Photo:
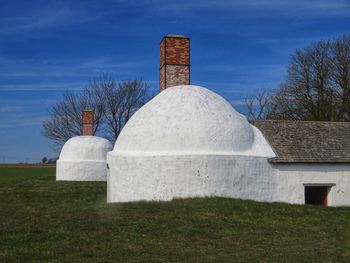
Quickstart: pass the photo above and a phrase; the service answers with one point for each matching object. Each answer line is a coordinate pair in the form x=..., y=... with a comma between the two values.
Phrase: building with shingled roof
x=312, y=163
x=189, y=142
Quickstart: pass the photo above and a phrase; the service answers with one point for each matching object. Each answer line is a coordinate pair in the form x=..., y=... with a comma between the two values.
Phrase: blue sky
x=237, y=48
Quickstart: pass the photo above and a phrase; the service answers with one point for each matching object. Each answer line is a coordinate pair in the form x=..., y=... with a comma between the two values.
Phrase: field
x=44, y=220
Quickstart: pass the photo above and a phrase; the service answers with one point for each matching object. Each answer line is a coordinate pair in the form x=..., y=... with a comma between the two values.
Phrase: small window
x=316, y=195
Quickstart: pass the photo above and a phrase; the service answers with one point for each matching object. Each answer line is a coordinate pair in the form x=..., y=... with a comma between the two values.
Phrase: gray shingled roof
x=307, y=141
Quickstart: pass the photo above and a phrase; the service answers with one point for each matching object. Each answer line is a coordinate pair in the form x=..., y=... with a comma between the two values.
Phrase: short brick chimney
x=174, y=61
x=88, y=122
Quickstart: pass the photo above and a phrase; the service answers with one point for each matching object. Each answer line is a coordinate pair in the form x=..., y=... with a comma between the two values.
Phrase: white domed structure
x=189, y=120
x=83, y=158
x=185, y=142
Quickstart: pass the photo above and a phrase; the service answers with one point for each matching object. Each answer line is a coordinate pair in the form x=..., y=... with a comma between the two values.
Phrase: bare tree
x=112, y=104
x=340, y=75
x=258, y=105
x=307, y=92
x=65, y=121
x=122, y=102
x=316, y=88
x=66, y=116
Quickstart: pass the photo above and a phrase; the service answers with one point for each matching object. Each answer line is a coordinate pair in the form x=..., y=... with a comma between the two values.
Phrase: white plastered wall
x=184, y=176
x=83, y=158
x=81, y=170
x=190, y=142
x=162, y=177
x=292, y=178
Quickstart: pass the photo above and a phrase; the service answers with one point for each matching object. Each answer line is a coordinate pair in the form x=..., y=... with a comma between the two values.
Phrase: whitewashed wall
x=94, y=170
x=166, y=177
x=290, y=179
x=135, y=178
x=190, y=142
x=83, y=158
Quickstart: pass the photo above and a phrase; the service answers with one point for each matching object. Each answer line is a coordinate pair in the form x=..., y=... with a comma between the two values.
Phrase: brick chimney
x=88, y=122
x=174, y=61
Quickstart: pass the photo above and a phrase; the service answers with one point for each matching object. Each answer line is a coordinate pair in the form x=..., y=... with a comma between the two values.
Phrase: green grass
x=45, y=220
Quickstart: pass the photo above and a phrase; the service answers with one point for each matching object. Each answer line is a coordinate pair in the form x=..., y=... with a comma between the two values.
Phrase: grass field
x=42, y=220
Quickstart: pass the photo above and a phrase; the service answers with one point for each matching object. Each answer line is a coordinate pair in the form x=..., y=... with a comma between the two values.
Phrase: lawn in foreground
x=45, y=220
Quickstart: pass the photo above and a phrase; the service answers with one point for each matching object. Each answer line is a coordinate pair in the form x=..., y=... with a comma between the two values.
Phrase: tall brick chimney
x=88, y=122
x=174, y=61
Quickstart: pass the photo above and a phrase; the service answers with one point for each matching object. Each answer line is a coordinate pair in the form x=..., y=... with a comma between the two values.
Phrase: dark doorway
x=316, y=195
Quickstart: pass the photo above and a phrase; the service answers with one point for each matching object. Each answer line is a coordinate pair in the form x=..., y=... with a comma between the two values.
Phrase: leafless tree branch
x=112, y=104
x=317, y=86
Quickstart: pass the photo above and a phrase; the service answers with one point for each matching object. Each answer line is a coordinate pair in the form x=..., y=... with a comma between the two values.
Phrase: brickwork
x=162, y=78
x=88, y=122
x=174, y=61
x=162, y=53
x=177, y=75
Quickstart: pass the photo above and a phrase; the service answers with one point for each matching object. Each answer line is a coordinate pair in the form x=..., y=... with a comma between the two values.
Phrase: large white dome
x=85, y=148
x=186, y=142
x=187, y=120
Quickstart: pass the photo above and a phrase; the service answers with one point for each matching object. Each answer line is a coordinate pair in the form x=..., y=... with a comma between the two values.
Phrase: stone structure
x=187, y=142
x=83, y=158
x=190, y=142
x=312, y=163
x=174, y=61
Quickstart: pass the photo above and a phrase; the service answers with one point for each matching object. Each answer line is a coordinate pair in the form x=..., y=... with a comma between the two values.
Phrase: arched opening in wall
x=317, y=194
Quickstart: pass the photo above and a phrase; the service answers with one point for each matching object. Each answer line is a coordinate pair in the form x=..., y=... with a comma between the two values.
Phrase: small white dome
x=186, y=120
x=85, y=148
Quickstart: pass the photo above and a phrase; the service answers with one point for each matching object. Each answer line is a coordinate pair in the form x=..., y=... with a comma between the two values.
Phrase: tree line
x=317, y=86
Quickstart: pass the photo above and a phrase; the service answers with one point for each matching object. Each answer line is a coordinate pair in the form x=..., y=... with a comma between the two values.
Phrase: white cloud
x=22, y=121
x=236, y=103
x=43, y=86
x=288, y=7
x=8, y=109
x=17, y=74
x=44, y=18
x=49, y=16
